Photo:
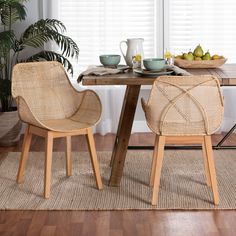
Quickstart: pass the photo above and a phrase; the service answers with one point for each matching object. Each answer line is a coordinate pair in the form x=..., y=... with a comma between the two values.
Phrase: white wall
x=32, y=9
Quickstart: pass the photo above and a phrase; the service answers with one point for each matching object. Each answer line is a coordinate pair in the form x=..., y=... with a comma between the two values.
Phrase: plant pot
x=10, y=128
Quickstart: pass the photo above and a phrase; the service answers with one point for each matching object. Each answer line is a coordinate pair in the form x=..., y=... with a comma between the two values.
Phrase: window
x=98, y=26
x=210, y=23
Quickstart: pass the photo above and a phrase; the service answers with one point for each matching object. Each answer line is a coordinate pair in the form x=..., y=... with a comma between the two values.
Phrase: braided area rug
x=182, y=186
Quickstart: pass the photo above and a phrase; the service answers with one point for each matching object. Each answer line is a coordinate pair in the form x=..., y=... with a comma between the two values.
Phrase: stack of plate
x=153, y=73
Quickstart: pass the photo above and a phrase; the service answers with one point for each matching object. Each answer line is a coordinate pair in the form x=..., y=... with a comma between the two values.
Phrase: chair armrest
x=89, y=109
x=26, y=114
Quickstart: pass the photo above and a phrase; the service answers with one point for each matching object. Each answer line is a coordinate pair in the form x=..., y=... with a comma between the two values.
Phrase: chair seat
x=66, y=125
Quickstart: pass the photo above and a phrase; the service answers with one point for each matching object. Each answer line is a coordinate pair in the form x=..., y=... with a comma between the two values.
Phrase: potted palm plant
x=11, y=48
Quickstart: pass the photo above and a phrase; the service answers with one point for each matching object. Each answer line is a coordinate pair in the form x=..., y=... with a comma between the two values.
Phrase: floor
x=115, y=223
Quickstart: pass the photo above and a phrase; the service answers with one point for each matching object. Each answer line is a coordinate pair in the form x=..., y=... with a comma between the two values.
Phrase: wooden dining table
x=133, y=82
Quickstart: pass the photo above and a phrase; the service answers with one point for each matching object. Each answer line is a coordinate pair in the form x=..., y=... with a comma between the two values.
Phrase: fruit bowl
x=199, y=64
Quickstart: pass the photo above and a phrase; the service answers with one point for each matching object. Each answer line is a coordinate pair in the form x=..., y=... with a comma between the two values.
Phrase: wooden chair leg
x=211, y=166
x=93, y=156
x=154, y=160
x=48, y=163
x=206, y=167
x=68, y=156
x=24, y=155
x=159, y=159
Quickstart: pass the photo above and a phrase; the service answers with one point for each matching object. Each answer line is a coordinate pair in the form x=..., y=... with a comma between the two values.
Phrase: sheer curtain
x=98, y=26
x=177, y=25
x=210, y=23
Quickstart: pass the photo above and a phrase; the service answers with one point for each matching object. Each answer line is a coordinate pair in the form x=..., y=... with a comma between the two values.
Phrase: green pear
x=189, y=56
x=198, y=52
x=184, y=55
x=197, y=58
x=207, y=56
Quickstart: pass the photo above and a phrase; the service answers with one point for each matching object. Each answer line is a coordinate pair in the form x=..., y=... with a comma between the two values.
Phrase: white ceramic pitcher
x=134, y=48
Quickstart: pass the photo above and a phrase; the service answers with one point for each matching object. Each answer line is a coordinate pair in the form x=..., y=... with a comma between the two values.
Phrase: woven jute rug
x=182, y=182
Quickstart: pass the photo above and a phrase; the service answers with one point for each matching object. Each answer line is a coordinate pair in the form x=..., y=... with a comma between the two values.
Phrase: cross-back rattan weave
x=47, y=99
x=187, y=110
x=184, y=105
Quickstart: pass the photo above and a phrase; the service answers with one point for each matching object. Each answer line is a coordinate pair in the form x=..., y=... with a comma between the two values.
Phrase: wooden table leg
x=119, y=125
x=123, y=133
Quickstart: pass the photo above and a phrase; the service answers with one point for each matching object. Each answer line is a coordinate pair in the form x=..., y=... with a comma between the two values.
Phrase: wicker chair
x=52, y=108
x=184, y=110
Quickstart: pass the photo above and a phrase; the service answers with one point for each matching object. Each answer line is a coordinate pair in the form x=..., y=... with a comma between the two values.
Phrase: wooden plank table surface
x=226, y=74
x=133, y=82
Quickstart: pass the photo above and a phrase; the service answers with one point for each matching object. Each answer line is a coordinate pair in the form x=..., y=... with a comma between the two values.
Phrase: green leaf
x=51, y=56
x=5, y=94
x=5, y=88
x=7, y=42
x=11, y=11
x=43, y=31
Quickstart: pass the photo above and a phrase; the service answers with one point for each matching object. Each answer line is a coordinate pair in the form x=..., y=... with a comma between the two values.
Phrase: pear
x=215, y=57
x=184, y=55
x=198, y=52
x=207, y=56
x=197, y=58
x=189, y=56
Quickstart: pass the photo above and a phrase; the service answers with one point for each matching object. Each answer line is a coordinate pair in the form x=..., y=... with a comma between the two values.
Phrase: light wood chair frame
x=158, y=155
x=49, y=137
x=163, y=138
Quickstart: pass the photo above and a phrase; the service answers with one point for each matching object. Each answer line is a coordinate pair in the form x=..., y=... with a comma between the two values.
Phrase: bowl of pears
x=199, y=59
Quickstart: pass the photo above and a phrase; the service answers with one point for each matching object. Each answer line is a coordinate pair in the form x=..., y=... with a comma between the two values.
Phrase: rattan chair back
x=46, y=89
x=46, y=98
x=184, y=105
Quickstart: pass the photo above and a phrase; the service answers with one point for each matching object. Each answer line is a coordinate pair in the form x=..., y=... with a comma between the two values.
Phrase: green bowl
x=110, y=60
x=154, y=63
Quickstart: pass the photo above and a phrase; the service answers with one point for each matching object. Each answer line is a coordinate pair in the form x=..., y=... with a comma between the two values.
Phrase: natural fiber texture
x=98, y=71
x=184, y=105
x=46, y=98
x=182, y=186
x=178, y=71
x=200, y=64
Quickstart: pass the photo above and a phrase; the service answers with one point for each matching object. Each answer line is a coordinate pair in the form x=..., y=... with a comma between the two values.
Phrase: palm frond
x=34, y=37
x=43, y=31
x=5, y=94
x=54, y=24
x=51, y=56
x=11, y=11
x=43, y=25
x=7, y=42
x=67, y=45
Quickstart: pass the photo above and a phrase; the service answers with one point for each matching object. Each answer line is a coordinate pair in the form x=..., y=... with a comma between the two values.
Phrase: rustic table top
x=226, y=74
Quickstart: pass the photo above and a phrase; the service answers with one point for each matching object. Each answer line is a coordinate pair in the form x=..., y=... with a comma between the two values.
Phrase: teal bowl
x=110, y=60
x=154, y=63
